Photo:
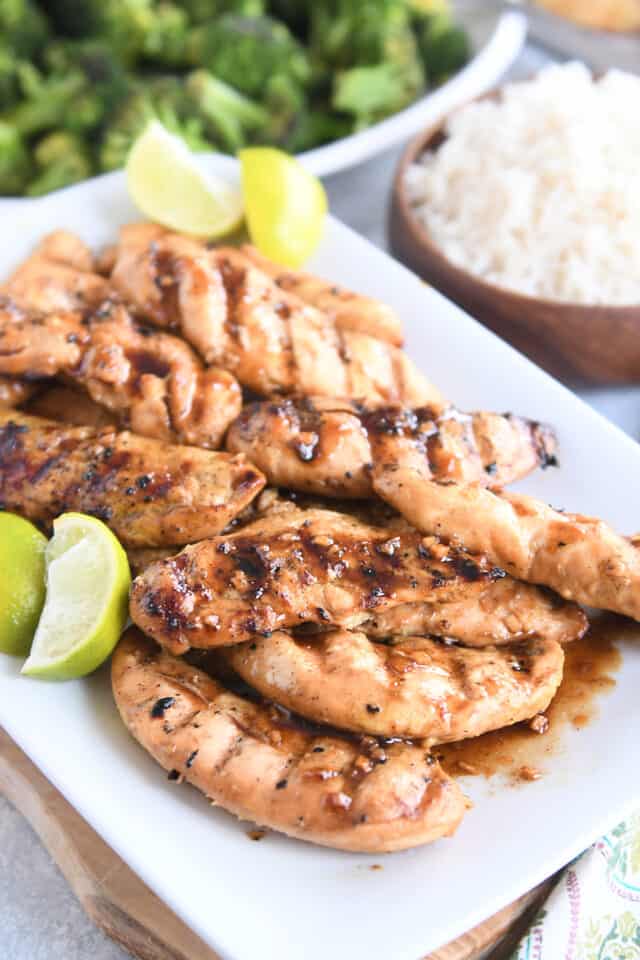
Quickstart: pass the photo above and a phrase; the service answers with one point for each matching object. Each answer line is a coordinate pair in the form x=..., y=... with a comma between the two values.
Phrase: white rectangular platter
x=290, y=900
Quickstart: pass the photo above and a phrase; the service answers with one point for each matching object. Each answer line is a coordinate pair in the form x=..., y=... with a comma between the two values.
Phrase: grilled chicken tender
x=580, y=557
x=322, y=446
x=349, y=310
x=416, y=688
x=343, y=793
x=58, y=276
x=150, y=493
x=296, y=567
x=507, y=611
x=238, y=318
x=153, y=381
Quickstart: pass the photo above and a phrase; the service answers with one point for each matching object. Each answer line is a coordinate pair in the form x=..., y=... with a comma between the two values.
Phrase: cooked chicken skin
x=322, y=446
x=238, y=318
x=150, y=493
x=58, y=277
x=14, y=392
x=580, y=557
x=349, y=310
x=295, y=567
x=416, y=688
x=153, y=381
x=344, y=793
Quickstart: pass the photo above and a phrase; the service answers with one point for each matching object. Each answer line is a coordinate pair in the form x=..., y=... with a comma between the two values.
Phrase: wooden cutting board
x=127, y=911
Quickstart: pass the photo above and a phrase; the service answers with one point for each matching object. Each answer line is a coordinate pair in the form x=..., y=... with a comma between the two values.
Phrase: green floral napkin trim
x=593, y=913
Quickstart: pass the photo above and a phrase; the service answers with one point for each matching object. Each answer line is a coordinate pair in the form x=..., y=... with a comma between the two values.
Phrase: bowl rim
x=421, y=238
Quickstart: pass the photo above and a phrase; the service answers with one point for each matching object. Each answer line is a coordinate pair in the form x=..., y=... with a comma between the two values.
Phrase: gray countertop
x=40, y=918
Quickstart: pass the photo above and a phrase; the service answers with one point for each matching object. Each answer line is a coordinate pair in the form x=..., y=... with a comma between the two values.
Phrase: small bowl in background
x=597, y=344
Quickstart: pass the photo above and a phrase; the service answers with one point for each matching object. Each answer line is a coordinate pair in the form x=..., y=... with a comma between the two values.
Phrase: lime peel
x=22, y=551
x=285, y=205
x=168, y=186
x=86, y=604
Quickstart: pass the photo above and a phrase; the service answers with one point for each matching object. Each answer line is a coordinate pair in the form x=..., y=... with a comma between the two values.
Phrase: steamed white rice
x=540, y=192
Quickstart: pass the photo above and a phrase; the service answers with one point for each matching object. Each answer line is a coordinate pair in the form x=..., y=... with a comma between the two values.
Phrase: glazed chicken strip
x=295, y=567
x=322, y=446
x=507, y=611
x=58, y=276
x=153, y=381
x=418, y=688
x=349, y=310
x=150, y=493
x=345, y=793
x=238, y=318
x=579, y=557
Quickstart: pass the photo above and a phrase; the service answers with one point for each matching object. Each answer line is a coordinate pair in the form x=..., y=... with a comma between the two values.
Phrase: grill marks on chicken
x=153, y=381
x=351, y=794
x=238, y=318
x=418, y=687
x=298, y=567
x=148, y=492
x=505, y=611
x=349, y=310
x=579, y=557
x=323, y=446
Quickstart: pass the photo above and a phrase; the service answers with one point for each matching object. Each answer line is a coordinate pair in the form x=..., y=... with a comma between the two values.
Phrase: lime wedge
x=86, y=604
x=285, y=205
x=22, y=549
x=167, y=185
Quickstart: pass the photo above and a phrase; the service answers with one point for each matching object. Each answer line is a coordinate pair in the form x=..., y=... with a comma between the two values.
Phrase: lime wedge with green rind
x=285, y=205
x=86, y=605
x=168, y=187
x=22, y=550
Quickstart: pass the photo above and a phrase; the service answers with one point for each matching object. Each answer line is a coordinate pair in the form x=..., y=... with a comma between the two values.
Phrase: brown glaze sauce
x=518, y=752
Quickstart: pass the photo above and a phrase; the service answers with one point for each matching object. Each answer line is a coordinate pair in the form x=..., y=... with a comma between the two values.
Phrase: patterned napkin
x=593, y=913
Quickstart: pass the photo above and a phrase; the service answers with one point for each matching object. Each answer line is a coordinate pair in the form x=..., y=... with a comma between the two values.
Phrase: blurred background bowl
x=593, y=344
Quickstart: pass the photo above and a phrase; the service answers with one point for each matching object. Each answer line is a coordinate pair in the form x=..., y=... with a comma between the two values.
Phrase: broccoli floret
x=371, y=93
x=200, y=11
x=246, y=52
x=285, y=103
x=15, y=162
x=46, y=104
x=444, y=47
x=122, y=24
x=164, y=41
x=369, y=42
x=10, y=86
x=102, y=69
x=57, y=101
x=228, y=115
x=161, y=100
x=350, y=33
x=315, y=127
x=23, y=27
x=61, y=159
x=85, y=82
x=127, y=122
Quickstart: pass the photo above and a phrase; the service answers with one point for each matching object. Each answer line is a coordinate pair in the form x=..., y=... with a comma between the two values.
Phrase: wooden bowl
x=597, y=344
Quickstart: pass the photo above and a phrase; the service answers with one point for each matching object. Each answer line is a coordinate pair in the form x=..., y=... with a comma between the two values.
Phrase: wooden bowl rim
x=422, y=239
